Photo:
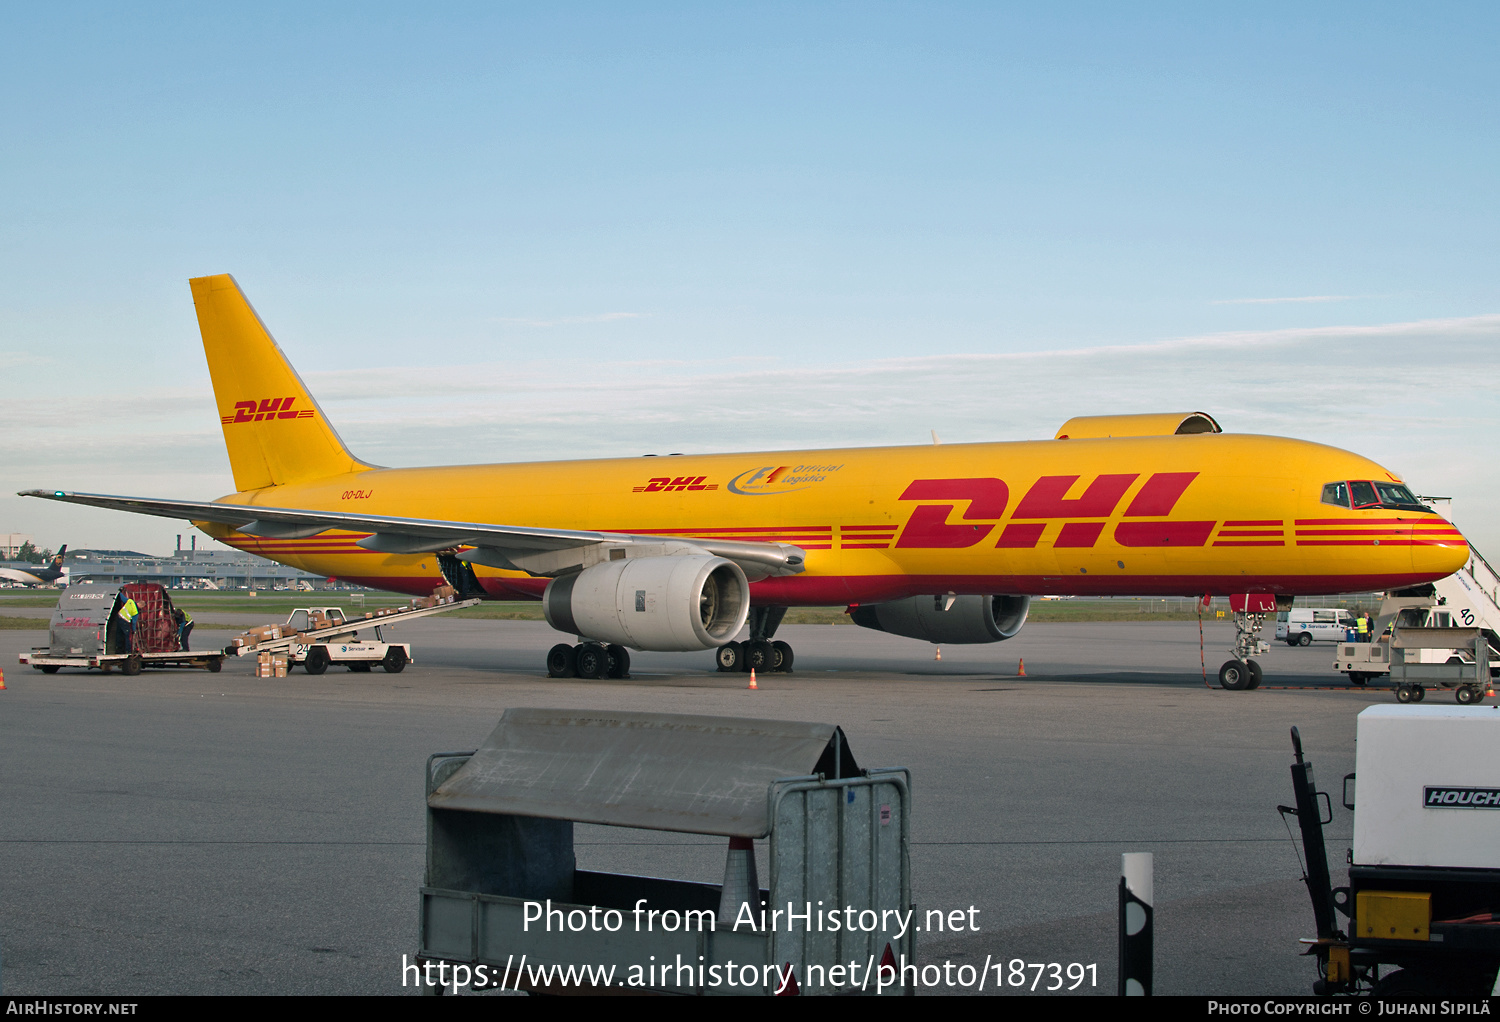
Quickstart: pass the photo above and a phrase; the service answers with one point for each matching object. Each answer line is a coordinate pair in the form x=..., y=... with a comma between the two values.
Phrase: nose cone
x=1437, y=549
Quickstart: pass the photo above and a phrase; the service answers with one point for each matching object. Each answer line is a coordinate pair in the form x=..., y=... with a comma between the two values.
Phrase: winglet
x=274, y=430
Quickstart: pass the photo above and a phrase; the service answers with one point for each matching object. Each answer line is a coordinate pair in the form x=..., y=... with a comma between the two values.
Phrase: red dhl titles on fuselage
x=1142, y=516
x=266, y=408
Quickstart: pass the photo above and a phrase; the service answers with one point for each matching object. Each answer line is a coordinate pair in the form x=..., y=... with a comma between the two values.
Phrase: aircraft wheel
x=50, y=669
x=1403, y=693
x=619, y=660
x=1255, y=673
x=759, y=656
x=317, y=660
x=1304, y=639
x=783, y=656
x=592, y=660
x=728, y=656
x=394, y=661
x=1234, y=675
x=561, y=661
x=132, y=666
x=1464, y=695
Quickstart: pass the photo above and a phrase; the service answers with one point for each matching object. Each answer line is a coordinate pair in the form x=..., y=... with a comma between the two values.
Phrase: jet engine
x=950, y=620
x=669, y=604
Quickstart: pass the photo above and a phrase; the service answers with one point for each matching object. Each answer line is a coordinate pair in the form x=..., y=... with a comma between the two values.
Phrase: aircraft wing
x=517, y=547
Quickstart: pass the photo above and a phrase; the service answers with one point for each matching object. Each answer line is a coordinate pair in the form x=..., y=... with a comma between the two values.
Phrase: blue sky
x=760, y=214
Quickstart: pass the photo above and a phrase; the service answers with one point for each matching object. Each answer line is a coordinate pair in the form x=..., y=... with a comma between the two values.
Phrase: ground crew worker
x=184, y=627
x=127, y=615
x=1362, y=625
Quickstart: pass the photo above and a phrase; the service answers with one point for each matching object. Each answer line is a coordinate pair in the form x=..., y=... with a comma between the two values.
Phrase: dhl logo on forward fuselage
x=267, y=408
x=1047, y=500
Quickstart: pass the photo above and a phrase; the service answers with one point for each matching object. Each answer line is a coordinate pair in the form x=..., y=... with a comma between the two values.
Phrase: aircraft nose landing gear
x=1249, y=611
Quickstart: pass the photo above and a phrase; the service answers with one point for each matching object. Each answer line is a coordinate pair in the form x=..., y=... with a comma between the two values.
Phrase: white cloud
x=1283, y=301
x=605, y=317
x=1419, y=397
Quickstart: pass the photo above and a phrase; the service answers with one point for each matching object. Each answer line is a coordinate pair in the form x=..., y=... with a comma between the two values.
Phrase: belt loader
x=320, y=637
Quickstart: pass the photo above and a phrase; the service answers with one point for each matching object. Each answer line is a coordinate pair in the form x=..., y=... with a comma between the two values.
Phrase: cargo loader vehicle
x=1422, y=907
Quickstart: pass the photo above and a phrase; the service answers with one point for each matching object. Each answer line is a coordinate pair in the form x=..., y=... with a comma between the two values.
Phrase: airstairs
x=1471, y=598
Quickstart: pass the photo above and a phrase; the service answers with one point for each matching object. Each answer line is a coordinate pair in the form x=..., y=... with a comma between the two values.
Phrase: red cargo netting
x=155, y=631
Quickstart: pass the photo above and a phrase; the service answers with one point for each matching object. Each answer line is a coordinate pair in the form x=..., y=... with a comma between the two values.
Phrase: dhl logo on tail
x=268, y=408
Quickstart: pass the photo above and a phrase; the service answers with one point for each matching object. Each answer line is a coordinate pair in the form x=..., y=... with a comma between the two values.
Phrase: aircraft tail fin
x=274, y=430
x=57, y=558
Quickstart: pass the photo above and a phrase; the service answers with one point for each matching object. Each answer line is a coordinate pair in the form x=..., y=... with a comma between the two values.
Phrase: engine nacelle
x=668, y=604
x=968, y=619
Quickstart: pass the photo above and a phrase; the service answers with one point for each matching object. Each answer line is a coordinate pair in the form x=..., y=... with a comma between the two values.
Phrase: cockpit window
x=1392, y=495
x=1363, y=494
x=1336, y=493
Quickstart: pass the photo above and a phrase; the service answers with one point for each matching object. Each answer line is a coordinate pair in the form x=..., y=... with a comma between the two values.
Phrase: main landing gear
x=760, y=653
x=588, y=660
x=1243, y=672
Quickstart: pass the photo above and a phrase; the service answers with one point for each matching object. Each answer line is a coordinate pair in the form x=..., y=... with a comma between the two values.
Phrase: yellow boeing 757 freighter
x=944, y=543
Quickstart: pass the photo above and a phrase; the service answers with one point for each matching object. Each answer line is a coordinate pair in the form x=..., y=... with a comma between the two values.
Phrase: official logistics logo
x=267, y=408
x=769, y=480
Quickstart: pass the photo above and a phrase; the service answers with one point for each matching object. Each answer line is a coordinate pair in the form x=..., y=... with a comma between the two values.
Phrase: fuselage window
x=1363, y=494
x=1336, y=493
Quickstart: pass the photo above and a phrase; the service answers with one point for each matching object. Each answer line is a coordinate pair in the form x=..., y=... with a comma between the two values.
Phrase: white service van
x=1304, y=627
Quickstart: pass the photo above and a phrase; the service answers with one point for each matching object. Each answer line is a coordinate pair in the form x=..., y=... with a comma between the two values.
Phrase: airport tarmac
x=192, y=833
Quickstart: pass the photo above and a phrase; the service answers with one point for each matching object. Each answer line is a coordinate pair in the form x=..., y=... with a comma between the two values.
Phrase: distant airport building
x=192, y=569
x=11, y=544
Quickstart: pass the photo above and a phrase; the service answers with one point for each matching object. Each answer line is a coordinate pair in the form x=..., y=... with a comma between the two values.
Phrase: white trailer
x=85, y=632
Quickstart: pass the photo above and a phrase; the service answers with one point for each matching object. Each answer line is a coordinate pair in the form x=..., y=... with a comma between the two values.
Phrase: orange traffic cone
x=741, y=885
x=2, y=679
x=1021, y=670
x=753, y=686
x=939, y=654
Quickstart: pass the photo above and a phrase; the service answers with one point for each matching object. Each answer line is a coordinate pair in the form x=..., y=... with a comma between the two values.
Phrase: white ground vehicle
x=1303, y=627
x=1423, y=874
x=317, y=657
x=320, y=637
